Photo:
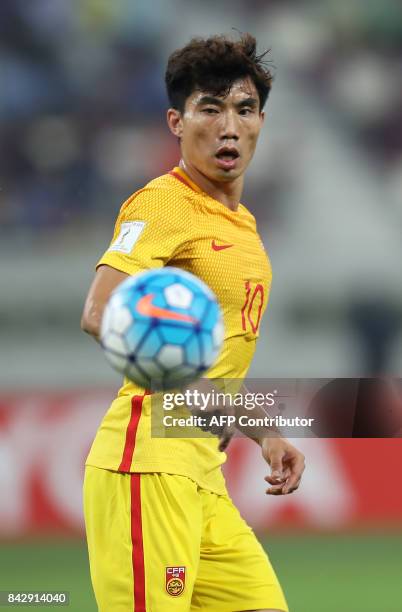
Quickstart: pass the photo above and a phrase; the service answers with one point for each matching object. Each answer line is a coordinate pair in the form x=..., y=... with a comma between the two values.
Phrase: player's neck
x=228, y=193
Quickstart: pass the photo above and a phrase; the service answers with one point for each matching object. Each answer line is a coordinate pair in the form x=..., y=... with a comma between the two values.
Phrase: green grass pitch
x=319, y=573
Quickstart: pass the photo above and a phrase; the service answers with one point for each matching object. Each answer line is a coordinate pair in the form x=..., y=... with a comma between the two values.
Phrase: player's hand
x=287, y=465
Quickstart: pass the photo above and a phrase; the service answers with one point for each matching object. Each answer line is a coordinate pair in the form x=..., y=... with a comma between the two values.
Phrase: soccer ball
x=162, y=328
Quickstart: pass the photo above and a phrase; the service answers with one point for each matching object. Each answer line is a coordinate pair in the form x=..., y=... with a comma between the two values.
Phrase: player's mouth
x=226, y=157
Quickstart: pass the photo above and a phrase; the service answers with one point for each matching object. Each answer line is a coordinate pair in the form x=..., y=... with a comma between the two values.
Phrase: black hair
x=213, y=64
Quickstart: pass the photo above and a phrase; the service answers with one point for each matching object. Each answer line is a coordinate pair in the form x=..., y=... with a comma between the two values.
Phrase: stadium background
x=82, y=121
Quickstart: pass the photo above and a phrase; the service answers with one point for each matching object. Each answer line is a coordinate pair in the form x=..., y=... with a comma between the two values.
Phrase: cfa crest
x=175, y=579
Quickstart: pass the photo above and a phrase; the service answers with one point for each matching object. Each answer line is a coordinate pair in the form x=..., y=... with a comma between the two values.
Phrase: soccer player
x=163, y=534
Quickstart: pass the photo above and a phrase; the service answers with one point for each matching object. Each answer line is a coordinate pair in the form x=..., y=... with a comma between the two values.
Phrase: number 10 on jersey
x=252, y=307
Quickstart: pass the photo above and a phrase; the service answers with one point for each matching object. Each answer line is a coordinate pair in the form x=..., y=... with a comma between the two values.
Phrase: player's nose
x=229, y=127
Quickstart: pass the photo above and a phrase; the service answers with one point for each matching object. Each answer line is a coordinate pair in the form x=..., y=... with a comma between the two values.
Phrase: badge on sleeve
x=129, y=233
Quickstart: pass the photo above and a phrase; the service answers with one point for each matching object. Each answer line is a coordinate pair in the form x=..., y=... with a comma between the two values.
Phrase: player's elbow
x=85, y=324
x=90, y=324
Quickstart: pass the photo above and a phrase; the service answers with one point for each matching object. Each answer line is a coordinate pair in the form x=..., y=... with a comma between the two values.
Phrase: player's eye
x=246, y=111
x=210, y=110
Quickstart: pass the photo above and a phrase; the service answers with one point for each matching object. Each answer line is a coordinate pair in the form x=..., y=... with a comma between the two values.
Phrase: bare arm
x=106, y=279
x=285, y=460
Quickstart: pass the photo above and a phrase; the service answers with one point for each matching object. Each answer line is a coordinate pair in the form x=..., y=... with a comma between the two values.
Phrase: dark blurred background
x=82, y=112
x=82, y=119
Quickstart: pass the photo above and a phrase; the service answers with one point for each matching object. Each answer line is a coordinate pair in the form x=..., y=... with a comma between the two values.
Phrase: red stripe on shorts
x=131, y=432
x=137, y=544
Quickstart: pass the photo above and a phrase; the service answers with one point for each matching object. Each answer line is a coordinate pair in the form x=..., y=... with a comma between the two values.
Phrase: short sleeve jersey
x=172, y=222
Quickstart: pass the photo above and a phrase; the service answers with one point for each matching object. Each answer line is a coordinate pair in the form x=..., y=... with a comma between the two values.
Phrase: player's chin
x=231, y=174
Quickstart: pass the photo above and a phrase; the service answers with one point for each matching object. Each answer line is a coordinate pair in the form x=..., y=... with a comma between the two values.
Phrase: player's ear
x=175, y=122
x=262, y=117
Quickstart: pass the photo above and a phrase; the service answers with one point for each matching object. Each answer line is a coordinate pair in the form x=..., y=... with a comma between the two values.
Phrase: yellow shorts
x=159, y=543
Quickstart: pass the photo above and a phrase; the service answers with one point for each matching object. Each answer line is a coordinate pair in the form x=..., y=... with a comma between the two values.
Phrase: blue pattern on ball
x=159, y=352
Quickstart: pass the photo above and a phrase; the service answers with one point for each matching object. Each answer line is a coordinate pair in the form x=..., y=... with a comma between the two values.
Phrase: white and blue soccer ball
x=162, y=328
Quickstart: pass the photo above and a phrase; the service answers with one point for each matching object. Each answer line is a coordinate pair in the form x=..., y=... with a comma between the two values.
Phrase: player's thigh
x=172, y=525
x=143, y=534
x=235, y=573
x=107, y=510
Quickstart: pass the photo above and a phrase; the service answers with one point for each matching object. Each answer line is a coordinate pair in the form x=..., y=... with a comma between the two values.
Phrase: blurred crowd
x=82, y=116
x=82, y=99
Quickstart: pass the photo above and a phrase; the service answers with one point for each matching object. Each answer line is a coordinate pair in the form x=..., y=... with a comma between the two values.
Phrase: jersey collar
x=181, y=176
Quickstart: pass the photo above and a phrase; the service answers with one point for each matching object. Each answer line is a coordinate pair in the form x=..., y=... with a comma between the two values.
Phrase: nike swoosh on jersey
x=220, y=247
x=147, y=309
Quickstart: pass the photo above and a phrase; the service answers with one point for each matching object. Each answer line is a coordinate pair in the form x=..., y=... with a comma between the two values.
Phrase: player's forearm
x=259, y=432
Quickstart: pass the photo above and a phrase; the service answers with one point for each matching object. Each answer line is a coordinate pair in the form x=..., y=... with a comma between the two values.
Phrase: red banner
x=45, y=437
